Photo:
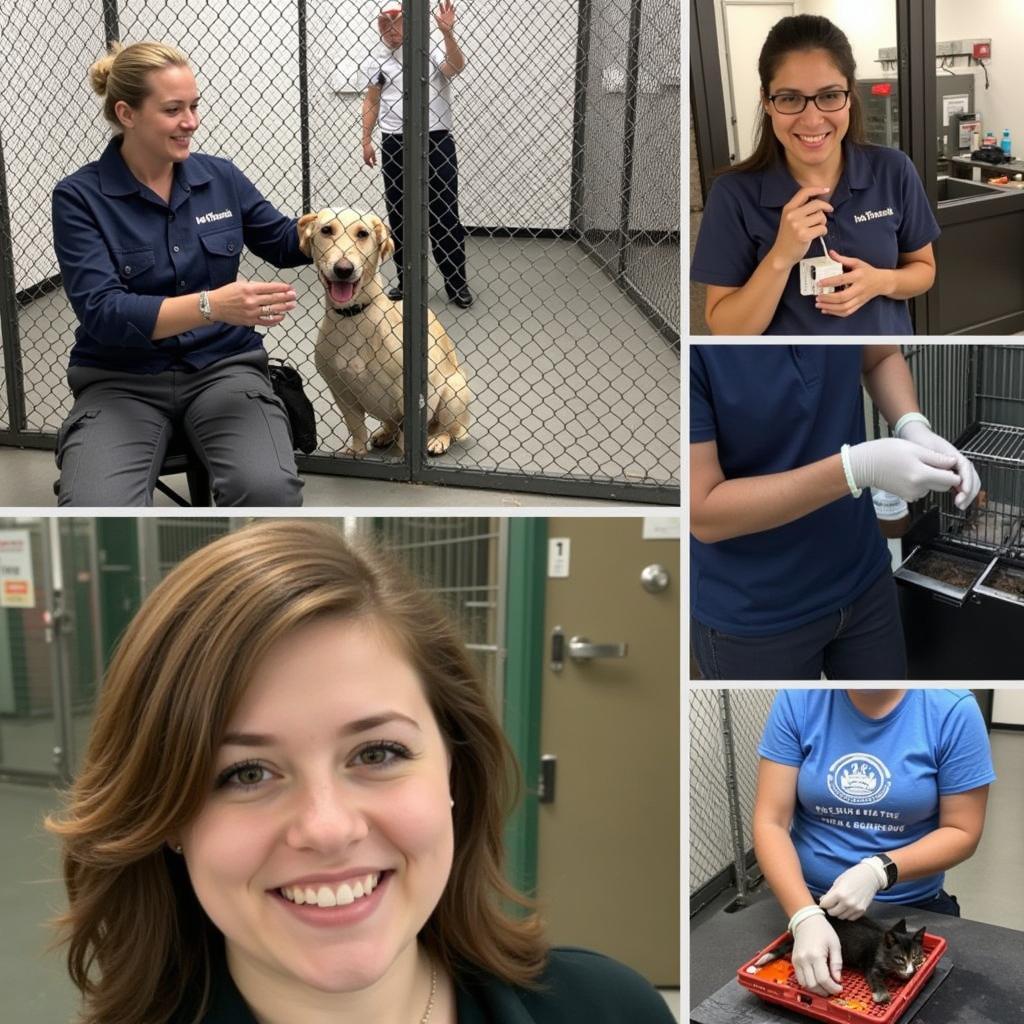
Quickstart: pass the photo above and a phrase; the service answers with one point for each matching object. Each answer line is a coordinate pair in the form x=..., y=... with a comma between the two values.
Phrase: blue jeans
x=863, y=640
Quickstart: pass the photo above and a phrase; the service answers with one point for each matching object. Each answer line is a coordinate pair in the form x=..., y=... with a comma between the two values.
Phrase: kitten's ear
x=919, y=935
x=889, y=938
x=900, y=925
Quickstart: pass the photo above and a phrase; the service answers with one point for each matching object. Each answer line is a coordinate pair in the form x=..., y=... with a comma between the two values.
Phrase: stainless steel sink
x=959, y=190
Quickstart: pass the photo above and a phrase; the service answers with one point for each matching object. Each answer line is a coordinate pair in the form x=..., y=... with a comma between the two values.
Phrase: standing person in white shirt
x=382, y=105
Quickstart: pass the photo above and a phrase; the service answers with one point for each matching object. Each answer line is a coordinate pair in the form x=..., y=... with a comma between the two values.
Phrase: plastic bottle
x=1004, y=143
x=989, y=140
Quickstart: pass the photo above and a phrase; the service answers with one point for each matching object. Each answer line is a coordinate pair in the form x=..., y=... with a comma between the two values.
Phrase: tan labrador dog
x=359, y=348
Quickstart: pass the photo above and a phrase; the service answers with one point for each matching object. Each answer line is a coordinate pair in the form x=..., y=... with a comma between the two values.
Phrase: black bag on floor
x=287, y=386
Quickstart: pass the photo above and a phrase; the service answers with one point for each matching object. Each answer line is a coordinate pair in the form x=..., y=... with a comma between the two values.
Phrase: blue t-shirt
x=122, y=250
x=773, y=408
x=881, y=210
x=868, y=785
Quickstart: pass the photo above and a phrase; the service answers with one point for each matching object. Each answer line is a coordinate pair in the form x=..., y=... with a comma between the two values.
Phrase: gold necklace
x=433, y=990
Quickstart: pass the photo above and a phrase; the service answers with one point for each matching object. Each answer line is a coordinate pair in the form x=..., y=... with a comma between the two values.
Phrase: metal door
x=608, y=842
x=746, y=28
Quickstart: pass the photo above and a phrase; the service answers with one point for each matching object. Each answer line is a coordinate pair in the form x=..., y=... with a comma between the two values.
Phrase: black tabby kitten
x=876, y=951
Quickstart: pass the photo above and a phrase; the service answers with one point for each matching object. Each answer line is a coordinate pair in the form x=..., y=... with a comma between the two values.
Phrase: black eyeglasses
x=795, y=103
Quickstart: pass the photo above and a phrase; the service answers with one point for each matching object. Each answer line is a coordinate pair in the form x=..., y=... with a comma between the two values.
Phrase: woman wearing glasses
x=813, y=190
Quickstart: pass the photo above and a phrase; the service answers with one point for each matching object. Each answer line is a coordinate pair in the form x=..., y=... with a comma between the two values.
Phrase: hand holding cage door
x=920, y=432
x=900, y=467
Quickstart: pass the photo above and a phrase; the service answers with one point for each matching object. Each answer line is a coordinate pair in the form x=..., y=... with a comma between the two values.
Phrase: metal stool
x=180, y=458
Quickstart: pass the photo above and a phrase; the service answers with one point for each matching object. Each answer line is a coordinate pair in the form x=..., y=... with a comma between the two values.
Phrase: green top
x=577, y=987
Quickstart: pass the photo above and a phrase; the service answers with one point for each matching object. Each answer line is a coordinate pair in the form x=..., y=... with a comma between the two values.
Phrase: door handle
x=581, y=649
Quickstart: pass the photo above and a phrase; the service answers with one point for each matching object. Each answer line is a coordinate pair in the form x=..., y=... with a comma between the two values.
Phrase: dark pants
x=864, y=640
x=447, y=235
x=113, y=442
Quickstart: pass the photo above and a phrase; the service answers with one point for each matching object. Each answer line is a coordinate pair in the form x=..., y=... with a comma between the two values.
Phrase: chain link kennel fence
x=725, y=728
x=566, y=128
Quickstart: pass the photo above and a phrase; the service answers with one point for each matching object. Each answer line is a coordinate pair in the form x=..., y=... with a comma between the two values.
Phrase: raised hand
x=444, y=17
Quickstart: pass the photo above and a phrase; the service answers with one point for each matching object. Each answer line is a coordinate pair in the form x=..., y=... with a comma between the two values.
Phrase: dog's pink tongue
x=342, y=291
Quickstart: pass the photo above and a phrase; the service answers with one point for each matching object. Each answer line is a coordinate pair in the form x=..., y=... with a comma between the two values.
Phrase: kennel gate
x=572, y=346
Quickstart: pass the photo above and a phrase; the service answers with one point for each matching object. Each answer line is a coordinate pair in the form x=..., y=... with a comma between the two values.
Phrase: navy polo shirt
x=122, y=250
x=772, y=408
x=881, y=210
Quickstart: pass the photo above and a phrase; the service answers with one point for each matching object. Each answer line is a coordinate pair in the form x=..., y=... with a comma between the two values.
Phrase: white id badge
x=815, y=270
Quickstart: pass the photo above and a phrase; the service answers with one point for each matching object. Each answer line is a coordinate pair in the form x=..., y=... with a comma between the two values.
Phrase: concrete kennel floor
x=569, y=378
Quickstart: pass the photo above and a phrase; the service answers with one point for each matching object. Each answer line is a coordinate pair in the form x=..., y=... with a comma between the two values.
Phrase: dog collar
x=349, y=310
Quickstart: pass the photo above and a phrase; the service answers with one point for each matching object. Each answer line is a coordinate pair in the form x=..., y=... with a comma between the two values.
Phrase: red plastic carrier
x=777, y=983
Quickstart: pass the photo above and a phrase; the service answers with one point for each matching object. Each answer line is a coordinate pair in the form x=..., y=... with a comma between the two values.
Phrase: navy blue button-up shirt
x=122, y=250
x=881, y=210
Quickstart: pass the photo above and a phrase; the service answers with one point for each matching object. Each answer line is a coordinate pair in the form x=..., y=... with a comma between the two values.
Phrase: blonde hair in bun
x=123, y=74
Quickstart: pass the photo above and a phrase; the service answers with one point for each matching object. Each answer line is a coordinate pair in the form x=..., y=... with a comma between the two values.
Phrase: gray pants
x=113, y=442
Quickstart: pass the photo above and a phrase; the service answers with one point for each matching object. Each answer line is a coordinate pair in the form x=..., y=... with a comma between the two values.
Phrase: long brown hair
x=140, y=945
x=799, y=33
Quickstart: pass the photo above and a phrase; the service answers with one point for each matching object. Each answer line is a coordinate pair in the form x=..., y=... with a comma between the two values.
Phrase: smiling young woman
x=291, y=808
x=812, y=188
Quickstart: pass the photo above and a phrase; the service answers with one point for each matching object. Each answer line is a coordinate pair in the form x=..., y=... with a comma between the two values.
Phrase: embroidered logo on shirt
x=861, y=218
x=859, y=779
x=207, y=217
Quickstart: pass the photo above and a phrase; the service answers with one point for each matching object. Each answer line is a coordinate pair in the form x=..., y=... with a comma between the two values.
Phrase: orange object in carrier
x=777, y=983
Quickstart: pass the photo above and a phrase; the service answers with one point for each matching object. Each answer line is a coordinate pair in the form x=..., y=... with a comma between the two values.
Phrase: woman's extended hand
x=860, y=283
x=852, y=892
x=252, y=303
x=817, y=957
x=802, y=221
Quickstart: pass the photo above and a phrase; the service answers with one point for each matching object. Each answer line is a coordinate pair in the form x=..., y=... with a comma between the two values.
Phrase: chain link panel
x=559, y=182
x=711, y=848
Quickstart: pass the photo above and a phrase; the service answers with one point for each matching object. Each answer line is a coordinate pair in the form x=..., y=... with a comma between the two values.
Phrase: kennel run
x=961, y=584
x=567, y=124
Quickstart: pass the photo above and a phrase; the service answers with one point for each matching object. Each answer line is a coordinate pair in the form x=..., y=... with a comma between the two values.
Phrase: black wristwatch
x=891, y=872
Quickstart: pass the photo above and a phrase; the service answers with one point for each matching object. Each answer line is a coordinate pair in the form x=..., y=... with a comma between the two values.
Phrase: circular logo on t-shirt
x=859, y=779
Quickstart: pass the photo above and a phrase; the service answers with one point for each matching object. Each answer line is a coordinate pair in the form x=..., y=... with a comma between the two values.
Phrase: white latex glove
x=970, y=484
x=852, y=892
x=902, y=467
x=817, y=957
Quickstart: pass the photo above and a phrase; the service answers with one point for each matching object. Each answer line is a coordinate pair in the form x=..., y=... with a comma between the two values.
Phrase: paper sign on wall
x=954, y=105
x=17, y=585
x=661, y=527
x=558, y=558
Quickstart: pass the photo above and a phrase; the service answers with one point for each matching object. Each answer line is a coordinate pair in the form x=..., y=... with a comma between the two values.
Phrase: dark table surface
x=985, y=986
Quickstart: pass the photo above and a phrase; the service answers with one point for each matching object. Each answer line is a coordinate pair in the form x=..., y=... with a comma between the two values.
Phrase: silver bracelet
x=204, y=305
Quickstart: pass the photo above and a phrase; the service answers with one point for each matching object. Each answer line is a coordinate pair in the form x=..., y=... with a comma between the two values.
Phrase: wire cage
x=725, y=728
x=974, y=395
x=962, y=578
x=566, y=122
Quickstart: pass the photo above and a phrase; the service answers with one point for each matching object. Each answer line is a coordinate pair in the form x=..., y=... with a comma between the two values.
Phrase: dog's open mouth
x=341, y=292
